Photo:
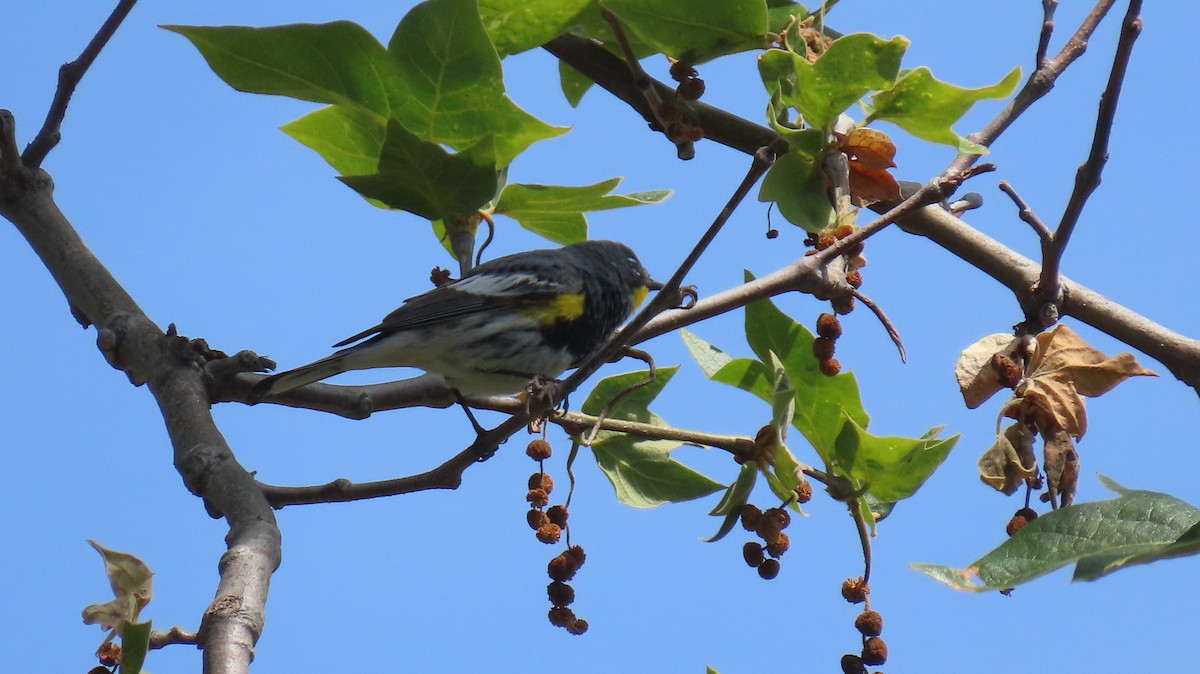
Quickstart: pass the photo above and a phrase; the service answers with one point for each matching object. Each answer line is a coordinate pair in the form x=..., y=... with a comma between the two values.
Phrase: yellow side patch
x=565, y=307
x=639, y=295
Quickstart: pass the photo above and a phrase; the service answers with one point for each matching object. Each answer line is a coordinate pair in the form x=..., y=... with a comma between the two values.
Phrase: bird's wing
x=465, y=297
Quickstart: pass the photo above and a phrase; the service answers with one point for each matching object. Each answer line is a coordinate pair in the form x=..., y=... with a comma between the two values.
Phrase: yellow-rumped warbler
x=509, y=320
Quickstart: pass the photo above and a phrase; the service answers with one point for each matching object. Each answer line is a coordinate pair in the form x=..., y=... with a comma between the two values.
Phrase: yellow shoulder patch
x=565, y=307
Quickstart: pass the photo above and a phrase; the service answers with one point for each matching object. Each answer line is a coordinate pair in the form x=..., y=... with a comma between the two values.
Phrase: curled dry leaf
x=871, y=153
x=130, y=580
x=1064, y=368
x=977, y=379
x=1009, y=462
x=1062, y=465
x=1052, y=405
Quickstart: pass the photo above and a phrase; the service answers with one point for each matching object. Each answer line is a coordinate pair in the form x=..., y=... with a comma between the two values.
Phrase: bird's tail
x=305, y=374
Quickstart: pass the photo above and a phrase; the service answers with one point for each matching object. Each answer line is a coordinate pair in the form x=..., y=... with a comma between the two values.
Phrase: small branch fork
x=69, y=76
x=1047, y=296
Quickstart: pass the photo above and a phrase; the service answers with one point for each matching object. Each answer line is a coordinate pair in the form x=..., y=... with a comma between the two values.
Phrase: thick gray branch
x=133, y=343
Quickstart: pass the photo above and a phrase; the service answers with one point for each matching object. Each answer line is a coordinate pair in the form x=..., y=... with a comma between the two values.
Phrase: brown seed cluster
x=561, y=569
x=549, y=524
x=869, y=624
x=828, y=326
x=768, y=525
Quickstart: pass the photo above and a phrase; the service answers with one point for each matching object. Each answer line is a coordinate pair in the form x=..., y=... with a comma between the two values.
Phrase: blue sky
x=219, y=223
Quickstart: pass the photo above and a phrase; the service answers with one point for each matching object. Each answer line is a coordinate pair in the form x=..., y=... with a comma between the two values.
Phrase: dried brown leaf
x=1053, y=405
x=1009, y=462
x=1063, y=355
x=1062, y=466
x=977, y=379
x=1064, y=368
x=870, y=153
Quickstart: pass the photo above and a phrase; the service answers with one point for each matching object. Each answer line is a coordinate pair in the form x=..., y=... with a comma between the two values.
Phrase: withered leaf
x=870, y=153
x=1062, y=465
x=1053, y=405
x=977, y=379
x=1009, y=462
x=1064, y=368
x=1062, y=354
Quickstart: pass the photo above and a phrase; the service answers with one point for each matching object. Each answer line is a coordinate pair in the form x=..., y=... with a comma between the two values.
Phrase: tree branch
x=133, y=343
x=1087, y=178
x=69, y=76
x=1181, y=355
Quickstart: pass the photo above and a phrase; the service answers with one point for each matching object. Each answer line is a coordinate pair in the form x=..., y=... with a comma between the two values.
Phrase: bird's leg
x=479, y=430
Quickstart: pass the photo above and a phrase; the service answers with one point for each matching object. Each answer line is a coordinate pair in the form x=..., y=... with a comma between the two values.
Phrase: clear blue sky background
x=216, y=221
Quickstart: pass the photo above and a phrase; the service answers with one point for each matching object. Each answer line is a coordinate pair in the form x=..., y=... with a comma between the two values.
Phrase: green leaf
x=336, y=62
x=786, y=469
x=749, y=375
x=708, y=356
x=517, y=25
x=644, y=475
x=642, y=472
x=694, y=31
x=783, y=397
x=795, y=183
x=853, y=65
x=135, y=644
x=820, y=400
x=556, y=211
x=893, y=467
x=420, y=177
x=633, y=405
x=454, y=84
x=733, y=499
x=927, y=107
x=1137, y=527
x=574, y=83
x=348, y=138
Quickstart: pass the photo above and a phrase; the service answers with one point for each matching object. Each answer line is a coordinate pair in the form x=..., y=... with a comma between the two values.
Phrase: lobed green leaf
x=557, y=211
x=927, y=107
x=517, y=25
x=694, y=31
x=797, y=186
x=852, y=66
x=337, y=62
x=418, y=176
x=892, y=467
x=641, y=470
x=453, y=82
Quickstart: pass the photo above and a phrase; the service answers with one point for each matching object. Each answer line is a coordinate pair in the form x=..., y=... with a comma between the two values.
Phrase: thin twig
x=668, y=295
x=612, y=403
x=685, y=149
x=1048, y=7
x=1026, y=214
x=864, y=535
x=69, y=76
x=175, y=635
x=1087, y=177
x=887, y=323
x=449, y=474
x=1040, y=82
x=936, y=190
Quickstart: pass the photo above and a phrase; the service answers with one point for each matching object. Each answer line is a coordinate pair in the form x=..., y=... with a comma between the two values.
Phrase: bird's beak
x=655, y=285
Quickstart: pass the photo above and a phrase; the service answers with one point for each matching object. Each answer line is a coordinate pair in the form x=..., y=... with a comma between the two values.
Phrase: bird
x=508, y=321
